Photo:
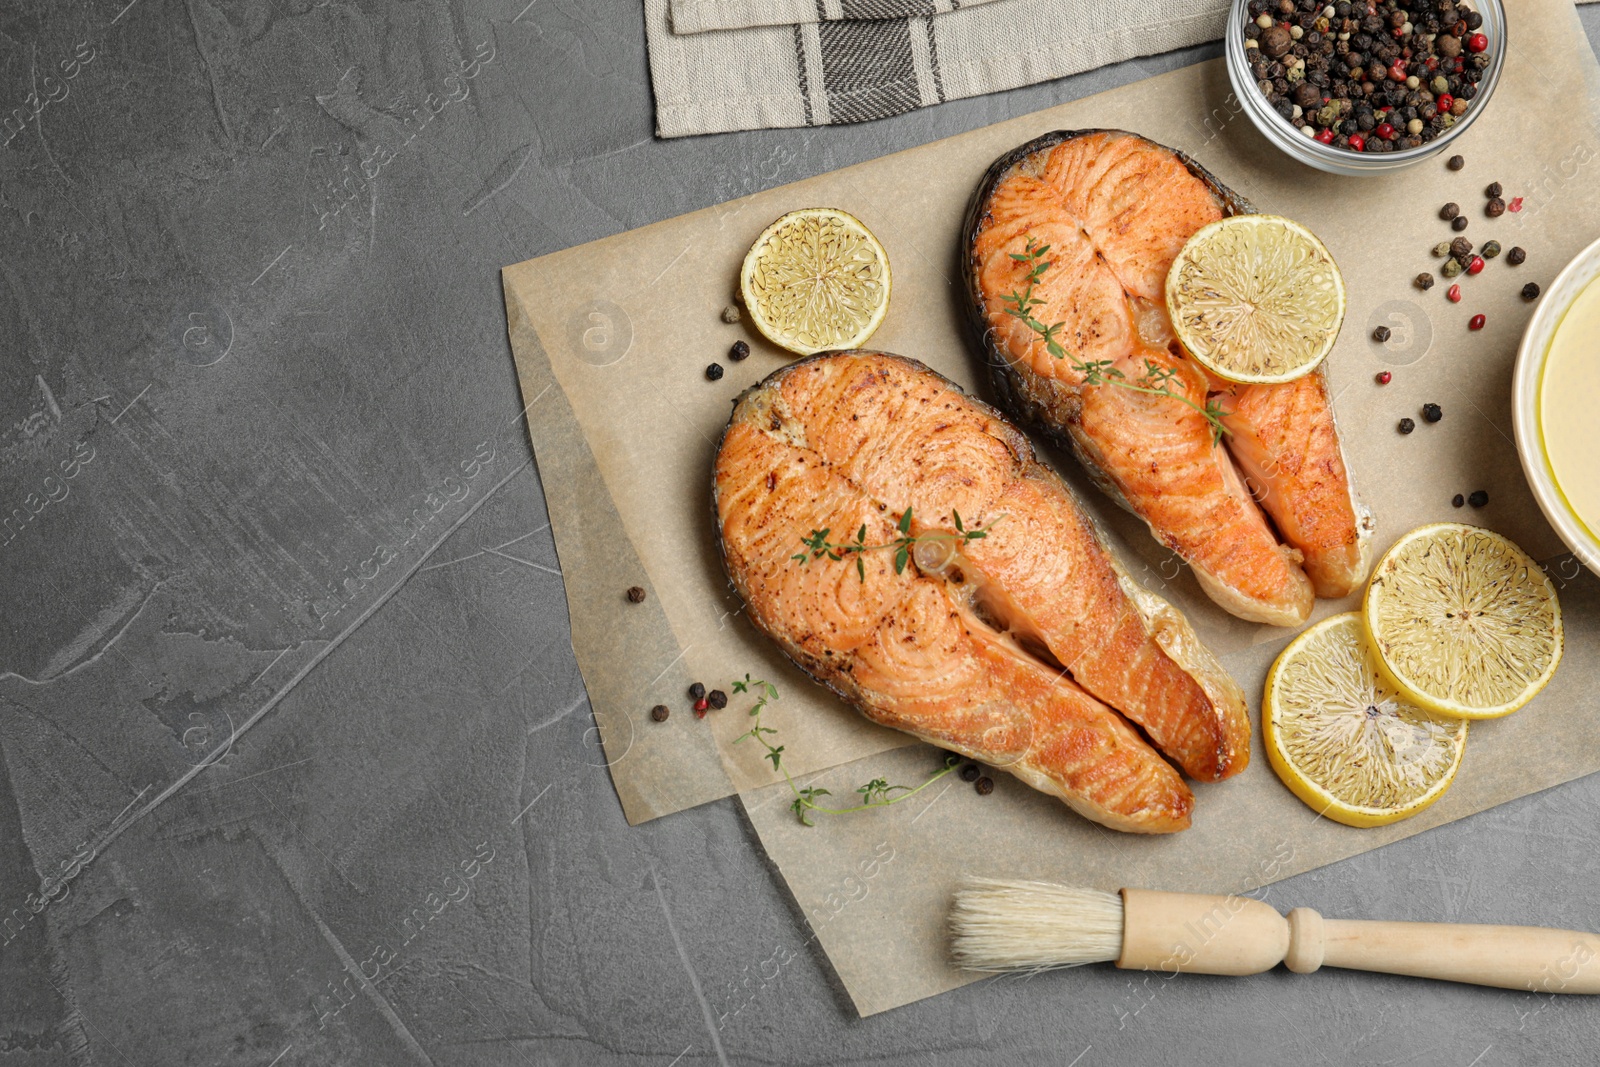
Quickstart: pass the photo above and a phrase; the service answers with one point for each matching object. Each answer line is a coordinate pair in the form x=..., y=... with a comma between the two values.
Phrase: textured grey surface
x=261, y=465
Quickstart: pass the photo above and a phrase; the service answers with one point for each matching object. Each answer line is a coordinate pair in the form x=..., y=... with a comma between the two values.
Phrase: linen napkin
x=820, y=70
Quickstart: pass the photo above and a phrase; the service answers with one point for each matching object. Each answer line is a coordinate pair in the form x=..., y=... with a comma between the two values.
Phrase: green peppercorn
x=1442, y=249
x=1451, y=268
x=1490, y=249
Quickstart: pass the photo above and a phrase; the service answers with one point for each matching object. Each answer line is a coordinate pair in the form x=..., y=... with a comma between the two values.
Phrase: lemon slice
x=816, y=280
x=1344, y=739
x=1256, y=298
x=1465, y=623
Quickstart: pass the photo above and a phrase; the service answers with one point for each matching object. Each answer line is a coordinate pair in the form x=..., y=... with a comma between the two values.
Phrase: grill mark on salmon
x=1017, y=648
x=1115, y=210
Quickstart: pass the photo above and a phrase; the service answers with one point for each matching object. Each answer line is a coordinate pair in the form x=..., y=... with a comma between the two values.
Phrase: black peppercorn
x=984, y=786
x=697, y=691
x=1380, y=334
x=1406, y=426
x=635, y=595
x=1478, y=499
x=970, y=773
x=1432, y=412
x=717, y=699
x=1456, y=163
x=1495, y=208
x=660, y=712
x=1461, y=248
x=1493, y=191
x=1450, y=211
x=1424, y=281
x=1458, y=223
x=1516, y=256
x=714, y=372
x=1530, y=291
x=739, y=351
x=1457, y=500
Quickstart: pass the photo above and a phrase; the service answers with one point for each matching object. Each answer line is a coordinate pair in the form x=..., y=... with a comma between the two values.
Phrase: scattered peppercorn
x=970, y=773
x=1424, y=281
x=1380, y=334
x=1384, y=377
x=1495, y=208
x=1475, y=265
x=1457, y=500
x=1530, y=291
x=714, y=372
x=1451, y=268
x=1490, y=249
x=1442, y=249
x=1478, y=499
x=1406, y=426
x=1475, y=323
x=1461, y=248
x=635, y=595
x=984, y=786
x=1456, y=163
x=1455, y=293
x=1450, y=211
x=1493, y=191
x=700, y=708
x=1516, y=257
x=697, y=691
x=730, y=314
x=1432, y=412
x=739, y=351
x=1459, y=223
x=660, y=712
x=717, y=699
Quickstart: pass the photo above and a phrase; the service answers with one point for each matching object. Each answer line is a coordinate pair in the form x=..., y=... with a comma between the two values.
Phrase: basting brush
x=1000, y=925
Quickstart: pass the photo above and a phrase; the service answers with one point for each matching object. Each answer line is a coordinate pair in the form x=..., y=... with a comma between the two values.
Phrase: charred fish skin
x=951, y=674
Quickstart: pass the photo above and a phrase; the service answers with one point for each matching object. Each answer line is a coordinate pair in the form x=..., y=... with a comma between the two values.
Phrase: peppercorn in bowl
x=1365, y=87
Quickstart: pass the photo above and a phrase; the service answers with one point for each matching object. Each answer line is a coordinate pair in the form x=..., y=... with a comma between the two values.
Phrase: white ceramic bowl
x=1553, y=306
x=1281, y=132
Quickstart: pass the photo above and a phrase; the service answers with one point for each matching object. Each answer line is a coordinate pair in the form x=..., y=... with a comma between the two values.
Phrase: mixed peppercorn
x=1369, y=76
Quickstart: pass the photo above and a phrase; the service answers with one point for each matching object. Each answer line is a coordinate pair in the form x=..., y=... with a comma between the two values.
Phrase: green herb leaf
x=905, y=521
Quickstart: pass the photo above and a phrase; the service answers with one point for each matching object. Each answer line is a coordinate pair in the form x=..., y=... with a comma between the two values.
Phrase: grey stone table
x=263, y=474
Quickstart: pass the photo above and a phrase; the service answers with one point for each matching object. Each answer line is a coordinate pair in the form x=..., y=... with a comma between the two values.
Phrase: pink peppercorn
x=1454, y=294
x=1475, y=323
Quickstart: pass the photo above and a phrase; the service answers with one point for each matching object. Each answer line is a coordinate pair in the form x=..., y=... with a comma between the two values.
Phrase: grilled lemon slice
x=1464, y=621
x=1256, y=298
x=816, y=280
x=1344, y=739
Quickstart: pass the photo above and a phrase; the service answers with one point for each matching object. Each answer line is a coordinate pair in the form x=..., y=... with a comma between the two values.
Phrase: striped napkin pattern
x=720, y=65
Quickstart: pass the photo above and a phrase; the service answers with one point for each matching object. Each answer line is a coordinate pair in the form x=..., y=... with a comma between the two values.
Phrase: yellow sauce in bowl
x=1569, y=407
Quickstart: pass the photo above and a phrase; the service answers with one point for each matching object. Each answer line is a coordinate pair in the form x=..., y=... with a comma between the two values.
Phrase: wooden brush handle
x=1237, y=935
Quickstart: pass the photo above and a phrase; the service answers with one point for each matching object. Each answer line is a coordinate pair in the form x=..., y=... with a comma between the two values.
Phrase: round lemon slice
x=1344, y=739
x=816, y=280
x=1256, y=298
x=1464, y=622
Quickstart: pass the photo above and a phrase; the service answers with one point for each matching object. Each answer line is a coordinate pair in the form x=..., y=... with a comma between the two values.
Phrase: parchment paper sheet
x=611, y=340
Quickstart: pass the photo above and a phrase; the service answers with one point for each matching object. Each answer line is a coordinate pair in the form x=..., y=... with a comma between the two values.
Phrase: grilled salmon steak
x=1023, y=646
x=1265, y=518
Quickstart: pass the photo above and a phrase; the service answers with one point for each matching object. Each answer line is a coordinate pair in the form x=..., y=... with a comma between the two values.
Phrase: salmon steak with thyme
x=904, y=546
x=1246, y=483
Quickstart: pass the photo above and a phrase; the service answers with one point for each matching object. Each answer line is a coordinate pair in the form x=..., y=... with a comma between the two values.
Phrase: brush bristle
x=1001, y=925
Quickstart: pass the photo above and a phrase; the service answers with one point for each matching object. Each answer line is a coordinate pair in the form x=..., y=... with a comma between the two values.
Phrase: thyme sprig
x=816, y=543
x=877, y=793
x=1156, y=380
